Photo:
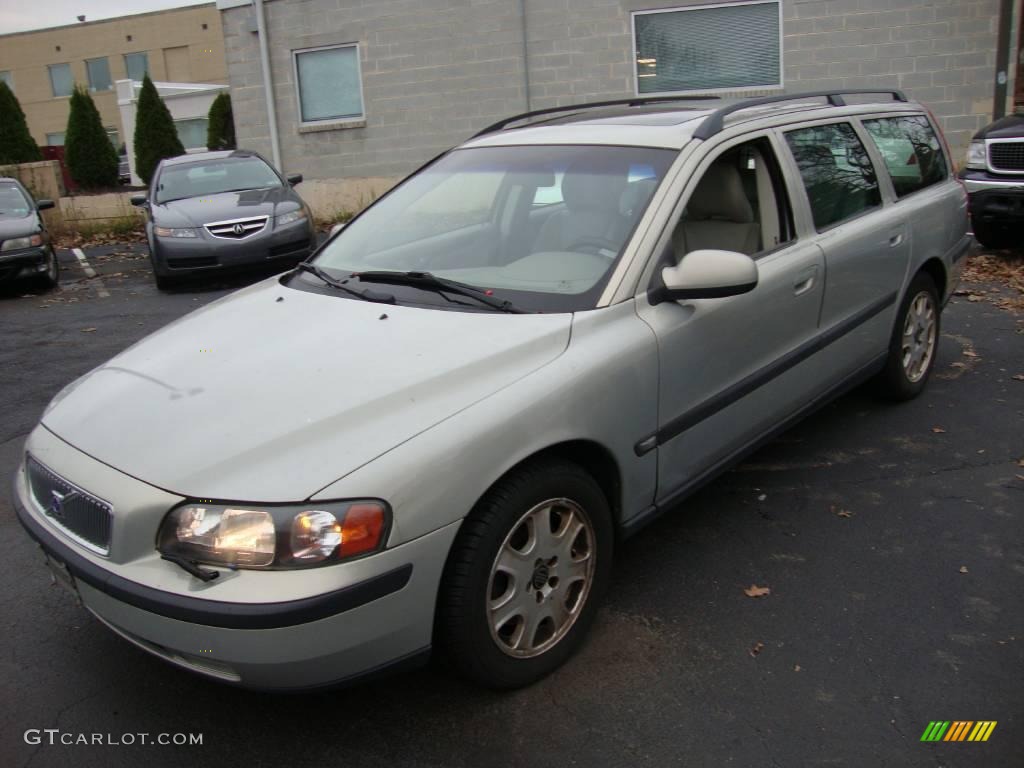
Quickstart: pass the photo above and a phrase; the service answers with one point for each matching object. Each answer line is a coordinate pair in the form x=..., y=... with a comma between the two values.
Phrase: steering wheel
x=593, y=245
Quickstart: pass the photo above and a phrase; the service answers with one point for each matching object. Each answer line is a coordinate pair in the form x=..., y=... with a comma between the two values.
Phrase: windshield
x=13, y=203
x=209, y=177
x=541, y=226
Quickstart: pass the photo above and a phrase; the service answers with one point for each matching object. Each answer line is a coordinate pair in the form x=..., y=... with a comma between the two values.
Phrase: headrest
x=635, y=196
x=719, y=195
x=586, y=186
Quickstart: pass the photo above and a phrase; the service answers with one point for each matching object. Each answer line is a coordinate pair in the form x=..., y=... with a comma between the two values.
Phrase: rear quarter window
x=912, y=153
x=836, y=170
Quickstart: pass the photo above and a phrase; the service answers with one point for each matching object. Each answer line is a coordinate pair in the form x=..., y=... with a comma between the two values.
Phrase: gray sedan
x=215, y=211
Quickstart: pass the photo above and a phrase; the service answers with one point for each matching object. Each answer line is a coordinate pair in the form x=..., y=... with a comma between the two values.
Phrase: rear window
x=911, y=150
x=836, y=170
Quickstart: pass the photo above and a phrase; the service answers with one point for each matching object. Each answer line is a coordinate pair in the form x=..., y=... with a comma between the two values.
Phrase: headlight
x=21, y=242
x=256, y=536
x=976, y=157
x=288, y=218
x=180, y=232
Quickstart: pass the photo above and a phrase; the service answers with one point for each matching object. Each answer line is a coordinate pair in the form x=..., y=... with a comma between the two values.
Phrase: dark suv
x=994, y=177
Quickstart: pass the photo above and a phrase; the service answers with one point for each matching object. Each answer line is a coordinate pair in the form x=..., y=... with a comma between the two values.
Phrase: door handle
x=805, y=281
x=895, y=240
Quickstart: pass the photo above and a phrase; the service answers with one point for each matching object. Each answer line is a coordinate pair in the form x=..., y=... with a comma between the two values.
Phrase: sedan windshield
x=13, y=204
x=210, y=177
x=539, y=226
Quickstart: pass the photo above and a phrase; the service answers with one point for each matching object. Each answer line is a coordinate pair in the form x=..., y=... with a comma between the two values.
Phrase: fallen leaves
x=758, y=647
x=796, y=667
x=1006, y=271
x=963, y=569
x=938, y=430
x=755, y=591
x=1018, y=377
x=88, y=330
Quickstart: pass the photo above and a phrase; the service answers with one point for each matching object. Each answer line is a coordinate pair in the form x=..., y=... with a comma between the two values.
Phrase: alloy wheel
x=919, y=337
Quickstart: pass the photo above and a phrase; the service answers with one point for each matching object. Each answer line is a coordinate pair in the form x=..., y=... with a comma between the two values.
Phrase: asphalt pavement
x=890, y=538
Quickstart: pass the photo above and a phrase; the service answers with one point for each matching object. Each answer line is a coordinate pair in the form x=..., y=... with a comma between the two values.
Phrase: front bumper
x=322, y=626
x=206, y=253
x=24, y=262
x=997, y=199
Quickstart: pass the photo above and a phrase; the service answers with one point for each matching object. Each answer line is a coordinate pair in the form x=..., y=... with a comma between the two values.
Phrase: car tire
x=548, y=586
x=914, y=341
x=991, y=235
x=49, y=279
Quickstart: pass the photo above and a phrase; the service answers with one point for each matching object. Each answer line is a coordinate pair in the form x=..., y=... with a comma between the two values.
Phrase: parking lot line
x=91, y=273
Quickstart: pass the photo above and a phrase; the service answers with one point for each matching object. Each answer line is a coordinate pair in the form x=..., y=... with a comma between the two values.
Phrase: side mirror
x=139, y=201
x=337, y=228
x=706, y=274
x=44, y=205
x=295, y=178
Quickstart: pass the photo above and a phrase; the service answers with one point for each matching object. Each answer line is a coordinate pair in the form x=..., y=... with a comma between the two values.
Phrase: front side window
x=99, y=74
x=61, y=81
x=211, y=177
x=192, y=132
x=542, y=226
x=836, y=170
x=136, y=65
x=911, y=150
x=708, y=48
x=329, y=83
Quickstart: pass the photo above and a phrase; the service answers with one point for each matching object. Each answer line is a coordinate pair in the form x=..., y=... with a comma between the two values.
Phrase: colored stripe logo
x=958, y=730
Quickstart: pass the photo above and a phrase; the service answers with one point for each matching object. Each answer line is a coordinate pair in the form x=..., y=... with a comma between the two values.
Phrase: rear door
x=865, y=239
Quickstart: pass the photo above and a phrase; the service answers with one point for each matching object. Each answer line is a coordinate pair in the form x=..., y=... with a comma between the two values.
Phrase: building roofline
x=112, y=19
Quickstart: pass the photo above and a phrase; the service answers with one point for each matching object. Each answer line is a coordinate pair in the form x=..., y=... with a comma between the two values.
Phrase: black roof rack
x=637, y=102
x=714, y=122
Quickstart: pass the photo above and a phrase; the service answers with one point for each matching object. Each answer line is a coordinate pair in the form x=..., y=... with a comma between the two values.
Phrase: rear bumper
x=180, y=256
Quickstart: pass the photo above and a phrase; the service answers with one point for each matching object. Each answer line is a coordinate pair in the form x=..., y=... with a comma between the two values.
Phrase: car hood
x=1009, y=127
x=18, y=227
x=197, y=211
x=272, y=393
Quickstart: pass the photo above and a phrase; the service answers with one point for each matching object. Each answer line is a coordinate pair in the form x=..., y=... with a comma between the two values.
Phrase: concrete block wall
x=434, y=71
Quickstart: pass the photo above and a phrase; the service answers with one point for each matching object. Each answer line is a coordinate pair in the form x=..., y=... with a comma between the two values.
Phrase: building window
x=55, y=139
x=99, y=74
x=192, y=132
x=5, y=77
x=136, y=65
x=61, y=80
x=711, y=48
x=329, y=83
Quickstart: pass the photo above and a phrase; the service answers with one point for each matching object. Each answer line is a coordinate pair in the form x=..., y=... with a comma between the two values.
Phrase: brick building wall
x=433, y=71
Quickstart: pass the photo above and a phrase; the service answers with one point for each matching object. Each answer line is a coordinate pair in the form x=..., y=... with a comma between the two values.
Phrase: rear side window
x=836, y=170
x=911, y=150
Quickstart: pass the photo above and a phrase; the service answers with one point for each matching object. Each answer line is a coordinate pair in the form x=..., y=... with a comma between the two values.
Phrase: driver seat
x=591, y=208
x=718, y=215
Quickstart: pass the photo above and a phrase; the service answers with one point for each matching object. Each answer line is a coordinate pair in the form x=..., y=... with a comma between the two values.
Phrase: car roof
x=195, y=157
x=669, y=125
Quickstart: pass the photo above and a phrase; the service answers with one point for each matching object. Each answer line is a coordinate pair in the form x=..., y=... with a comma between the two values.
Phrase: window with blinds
x=735, y=46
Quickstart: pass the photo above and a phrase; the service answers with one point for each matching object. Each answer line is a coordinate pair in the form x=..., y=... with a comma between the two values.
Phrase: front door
x=732, y=368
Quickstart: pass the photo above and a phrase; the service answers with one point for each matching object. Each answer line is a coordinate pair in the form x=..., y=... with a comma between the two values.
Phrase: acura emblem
x=238, y=229
x=57, y=499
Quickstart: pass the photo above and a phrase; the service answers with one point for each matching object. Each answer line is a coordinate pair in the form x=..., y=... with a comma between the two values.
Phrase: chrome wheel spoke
x=917, y=345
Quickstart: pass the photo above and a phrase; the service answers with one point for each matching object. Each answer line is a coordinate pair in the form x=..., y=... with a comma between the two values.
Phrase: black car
x=994, y=177
x=216, y=211
x=26, y=250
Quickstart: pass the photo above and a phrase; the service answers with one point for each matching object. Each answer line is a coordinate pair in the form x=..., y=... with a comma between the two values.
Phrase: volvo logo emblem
x=57, y=499
x=238, y=229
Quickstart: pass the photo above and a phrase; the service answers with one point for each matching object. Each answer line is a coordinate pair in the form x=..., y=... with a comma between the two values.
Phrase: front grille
x=1006, y=155
x=237, y=229
x=77, y=511
x=289, y=248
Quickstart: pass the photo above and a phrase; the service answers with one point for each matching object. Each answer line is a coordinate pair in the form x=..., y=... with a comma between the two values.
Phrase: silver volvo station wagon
x=432, y=433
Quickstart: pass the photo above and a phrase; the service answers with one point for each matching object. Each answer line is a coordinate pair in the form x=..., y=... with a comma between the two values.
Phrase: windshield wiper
x=366, y=295
x=428, y=281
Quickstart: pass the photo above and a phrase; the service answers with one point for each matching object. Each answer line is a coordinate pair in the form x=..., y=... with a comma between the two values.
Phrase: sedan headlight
x=21, y=242
x=288, y=218
x=976, y=156
x=258, y=536
x=174, y=232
